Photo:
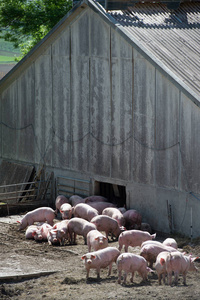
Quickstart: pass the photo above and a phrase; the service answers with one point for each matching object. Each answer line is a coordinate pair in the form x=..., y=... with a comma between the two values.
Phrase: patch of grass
x=7, y=59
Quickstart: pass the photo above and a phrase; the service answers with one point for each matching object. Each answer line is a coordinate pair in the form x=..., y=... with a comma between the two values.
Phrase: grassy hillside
x=7, y=52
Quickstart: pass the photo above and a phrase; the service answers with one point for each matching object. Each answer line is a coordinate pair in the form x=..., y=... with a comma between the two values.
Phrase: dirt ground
x=33, y=270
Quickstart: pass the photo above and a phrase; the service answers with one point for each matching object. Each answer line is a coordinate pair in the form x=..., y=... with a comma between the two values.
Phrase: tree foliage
x=26, y=22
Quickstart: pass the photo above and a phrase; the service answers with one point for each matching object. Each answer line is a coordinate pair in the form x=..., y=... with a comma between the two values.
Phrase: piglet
x=30, y=231
x=150, y=251
x=75, y=199
x=133, y=219
x=130, y=263
x=60, y=200
x=134, y=238
x=170, y=242
x=96, y=240
x=179, y=264
x=95, y=198
x=66, y=211
x=41, y=233
x=100, y=259
x=40, y=214
x=52, y=237
x=108, y=225
x=61, y=231
x=79, y=226
x=115, y=214
x=85, y=211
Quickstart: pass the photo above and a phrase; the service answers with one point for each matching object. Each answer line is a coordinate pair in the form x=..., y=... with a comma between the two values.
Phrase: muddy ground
x=32, y=270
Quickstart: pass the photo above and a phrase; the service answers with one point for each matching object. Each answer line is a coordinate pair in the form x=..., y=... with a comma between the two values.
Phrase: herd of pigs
x=89, y=217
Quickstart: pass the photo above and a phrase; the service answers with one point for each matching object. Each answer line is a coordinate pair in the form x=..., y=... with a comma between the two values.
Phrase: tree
x=26, y=22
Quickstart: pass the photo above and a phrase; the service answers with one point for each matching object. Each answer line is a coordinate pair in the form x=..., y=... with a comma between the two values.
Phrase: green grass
x=7, y=59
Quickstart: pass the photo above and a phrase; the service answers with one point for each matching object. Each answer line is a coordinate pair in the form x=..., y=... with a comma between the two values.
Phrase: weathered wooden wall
x=94, y=106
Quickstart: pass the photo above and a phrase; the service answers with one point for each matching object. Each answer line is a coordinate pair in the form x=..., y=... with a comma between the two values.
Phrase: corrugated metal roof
x=173, y=37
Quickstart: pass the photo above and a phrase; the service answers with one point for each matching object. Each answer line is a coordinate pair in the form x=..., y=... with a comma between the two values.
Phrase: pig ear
x=61, y=211
x=96, y=239
x=18, y=222
x=105, y=238
x=83, y=257
x=93, y=256
x=33, y=233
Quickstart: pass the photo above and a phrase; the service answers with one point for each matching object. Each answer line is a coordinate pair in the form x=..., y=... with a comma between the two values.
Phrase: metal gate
x=72, y=186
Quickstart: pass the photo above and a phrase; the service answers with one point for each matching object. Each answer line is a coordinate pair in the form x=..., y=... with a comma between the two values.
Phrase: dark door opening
x=115, y=194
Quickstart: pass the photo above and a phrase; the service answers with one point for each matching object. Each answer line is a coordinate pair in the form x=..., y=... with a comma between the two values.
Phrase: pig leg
x=126, y=248
x=184, y=278
x=110, y=269
x=98, y=273
x=125, y=275
x=176, y=274
x=119, y=276
x=159, y=279
x=132, y=276
x=170, y=278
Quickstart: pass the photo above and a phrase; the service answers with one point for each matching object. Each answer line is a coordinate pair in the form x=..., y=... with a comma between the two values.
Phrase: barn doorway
x=113, y=192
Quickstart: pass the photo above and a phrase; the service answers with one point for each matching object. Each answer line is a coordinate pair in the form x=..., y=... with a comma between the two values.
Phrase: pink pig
x=84, y=211
x=100, y=206
x=52, y=237
x=115, y=214
x=150, y=251
x=133, y=219
x=130, y=263
x=75, y=199
x=95, y=198
x=170, y=242
x=134, y=238
x=79, y=226
x=161, y=267
x=100, y=259
x=179, y=264
x=96, y=240
x=61, y=231
x=66, y=211
x=42, y=232
x=30, y=231
x=60, y=200
x=40, y=214
x=107, y=224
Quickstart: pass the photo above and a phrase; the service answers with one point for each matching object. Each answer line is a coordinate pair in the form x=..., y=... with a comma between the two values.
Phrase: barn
x=109, y=102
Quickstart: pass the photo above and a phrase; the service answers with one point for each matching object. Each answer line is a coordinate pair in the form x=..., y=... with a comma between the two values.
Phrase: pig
x=170, y=242
x=61, y=231
x=133, y=219
x=150, y=252
x=108, y=225
x=134, y=238
x=115, y=214
x=52, y=237
x=30, y=231
x=100, y=259
x=122, y=209
x=130, y=263
x=151, y=242
x=84, y=211
x=161, y=267
x=95, y=198
x=42, y=232
x=96, y=240
x=75, y=199
x=179, y=264
x=60, y=200
x=66, y=211
x=40, y=214
x=145, y=227
x=79, y=226
x=100, y=206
